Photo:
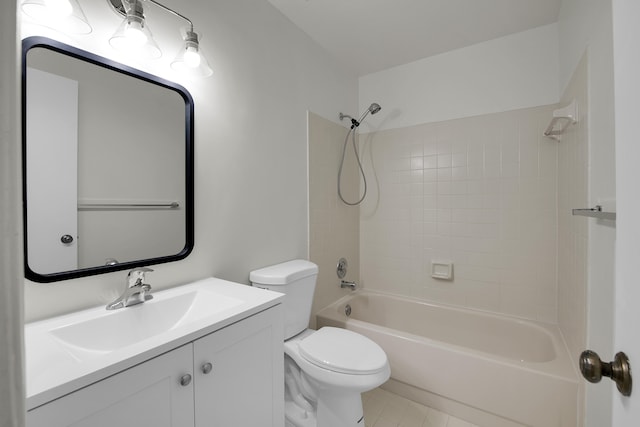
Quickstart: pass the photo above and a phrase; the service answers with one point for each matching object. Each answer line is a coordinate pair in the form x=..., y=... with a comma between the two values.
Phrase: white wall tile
x=478, y=204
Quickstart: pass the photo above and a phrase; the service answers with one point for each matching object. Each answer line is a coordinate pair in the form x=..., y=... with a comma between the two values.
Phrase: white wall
x=11, y=375
x=586, y=26
x=250, y=143
x=626, y=410
x=508, y=73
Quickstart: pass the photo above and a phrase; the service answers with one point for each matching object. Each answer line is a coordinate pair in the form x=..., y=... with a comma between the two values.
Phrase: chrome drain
x=347, y=310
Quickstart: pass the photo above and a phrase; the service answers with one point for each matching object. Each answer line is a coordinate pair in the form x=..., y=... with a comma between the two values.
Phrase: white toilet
x=326, y=370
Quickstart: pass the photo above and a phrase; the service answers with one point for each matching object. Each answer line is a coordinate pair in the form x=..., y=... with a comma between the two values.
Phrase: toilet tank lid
x=283, y=273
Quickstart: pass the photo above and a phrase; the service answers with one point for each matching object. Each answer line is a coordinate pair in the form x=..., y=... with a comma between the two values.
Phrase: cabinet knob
x=206, y=368
x=185, y=380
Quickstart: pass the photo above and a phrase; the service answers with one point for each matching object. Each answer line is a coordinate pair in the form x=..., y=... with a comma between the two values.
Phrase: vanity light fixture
x=65, y=15
x=134, y=35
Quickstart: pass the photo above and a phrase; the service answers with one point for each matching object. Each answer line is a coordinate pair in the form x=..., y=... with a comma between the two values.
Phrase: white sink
x=101, y=331
x=68, y=352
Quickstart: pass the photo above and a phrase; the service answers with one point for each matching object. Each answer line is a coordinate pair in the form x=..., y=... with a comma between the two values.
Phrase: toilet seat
x=343, y=351
x=324, y=378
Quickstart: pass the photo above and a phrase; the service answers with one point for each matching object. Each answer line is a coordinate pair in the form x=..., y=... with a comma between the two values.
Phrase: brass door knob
x=593, y=369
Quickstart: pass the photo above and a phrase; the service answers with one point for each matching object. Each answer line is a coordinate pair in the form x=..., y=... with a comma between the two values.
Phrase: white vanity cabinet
x=148, y=394
x=229, y=378
x=245, y=384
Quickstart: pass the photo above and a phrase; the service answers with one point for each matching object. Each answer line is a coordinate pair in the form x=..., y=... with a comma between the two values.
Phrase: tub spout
x=350, y=285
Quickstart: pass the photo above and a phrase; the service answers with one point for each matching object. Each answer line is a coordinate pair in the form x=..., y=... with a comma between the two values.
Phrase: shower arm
x=354, y=122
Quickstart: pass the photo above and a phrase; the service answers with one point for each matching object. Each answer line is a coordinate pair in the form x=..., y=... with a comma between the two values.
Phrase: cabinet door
x=146, y=395
x=245, y=387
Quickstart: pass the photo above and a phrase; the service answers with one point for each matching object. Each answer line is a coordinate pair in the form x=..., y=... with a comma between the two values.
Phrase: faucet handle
x=136, y=277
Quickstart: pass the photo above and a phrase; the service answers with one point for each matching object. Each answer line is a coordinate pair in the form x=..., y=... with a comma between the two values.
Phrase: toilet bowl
x=336, y=366
x=327, y=370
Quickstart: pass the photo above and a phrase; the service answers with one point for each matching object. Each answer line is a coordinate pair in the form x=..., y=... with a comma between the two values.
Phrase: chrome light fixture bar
x=134, y=35
x=64, y=15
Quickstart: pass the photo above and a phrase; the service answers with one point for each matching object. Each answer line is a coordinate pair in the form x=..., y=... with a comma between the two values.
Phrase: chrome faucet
x=136, y=291
x=350, y=285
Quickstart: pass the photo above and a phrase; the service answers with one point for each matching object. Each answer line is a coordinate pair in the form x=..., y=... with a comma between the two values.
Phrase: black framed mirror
x=107, y=164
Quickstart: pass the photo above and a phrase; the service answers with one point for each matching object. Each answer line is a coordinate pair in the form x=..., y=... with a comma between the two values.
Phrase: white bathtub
x=491, y=370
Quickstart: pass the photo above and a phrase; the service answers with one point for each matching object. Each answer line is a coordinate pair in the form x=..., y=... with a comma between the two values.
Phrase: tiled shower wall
x=479, y=192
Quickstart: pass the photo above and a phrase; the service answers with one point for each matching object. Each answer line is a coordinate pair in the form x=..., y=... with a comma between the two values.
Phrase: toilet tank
x=297, y=280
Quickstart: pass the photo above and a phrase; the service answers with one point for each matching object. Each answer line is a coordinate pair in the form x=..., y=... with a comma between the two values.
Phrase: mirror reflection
x=108, y=167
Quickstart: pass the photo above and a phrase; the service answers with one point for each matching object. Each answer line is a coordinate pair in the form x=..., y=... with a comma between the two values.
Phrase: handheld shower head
x=374, y=108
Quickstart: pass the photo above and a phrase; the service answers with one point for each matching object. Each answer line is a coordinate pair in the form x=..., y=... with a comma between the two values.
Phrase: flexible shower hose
x=352, y=132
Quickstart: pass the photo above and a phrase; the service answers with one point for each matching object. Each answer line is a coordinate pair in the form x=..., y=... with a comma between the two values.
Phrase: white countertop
x=55, y=368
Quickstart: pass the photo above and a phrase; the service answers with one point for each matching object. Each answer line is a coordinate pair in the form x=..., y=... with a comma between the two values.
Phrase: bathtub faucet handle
x=347, y=284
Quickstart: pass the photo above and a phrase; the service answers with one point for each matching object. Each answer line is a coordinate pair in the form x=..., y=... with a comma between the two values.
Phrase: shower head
x=374, y=108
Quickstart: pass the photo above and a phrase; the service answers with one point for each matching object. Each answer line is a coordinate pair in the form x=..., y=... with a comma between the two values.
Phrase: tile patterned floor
x=385, y=409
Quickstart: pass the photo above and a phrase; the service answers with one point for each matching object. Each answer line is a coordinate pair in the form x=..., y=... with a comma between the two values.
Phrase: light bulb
x=192, y=57
x=134, y=34
x=64, y=15
x=59, y=8
x=189, y=60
